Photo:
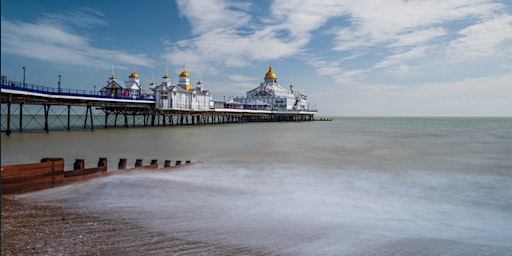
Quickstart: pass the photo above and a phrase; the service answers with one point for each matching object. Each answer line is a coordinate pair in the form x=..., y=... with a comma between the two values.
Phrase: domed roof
x=134, y=75
x=184, y=73
x=112, y=77
x=166, y=76
x=270, y=73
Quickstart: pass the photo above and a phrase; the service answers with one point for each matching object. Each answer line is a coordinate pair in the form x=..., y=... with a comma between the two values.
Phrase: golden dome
x=270, y=73
x=112, y=77
x=134, y=75
x=184, y=73
x=199, y=82
x=165, y=76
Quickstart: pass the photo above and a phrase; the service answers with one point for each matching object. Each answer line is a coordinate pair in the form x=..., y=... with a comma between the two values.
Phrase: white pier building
x=270, y=95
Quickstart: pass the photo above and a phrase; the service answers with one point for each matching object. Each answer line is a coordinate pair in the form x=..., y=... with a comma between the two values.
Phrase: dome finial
x=270, y=74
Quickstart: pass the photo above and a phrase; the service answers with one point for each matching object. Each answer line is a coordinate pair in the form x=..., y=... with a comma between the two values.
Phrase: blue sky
x=352, y=58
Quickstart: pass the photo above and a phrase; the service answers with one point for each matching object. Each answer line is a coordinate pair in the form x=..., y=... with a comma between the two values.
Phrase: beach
x=32, y=228
x=354, y=186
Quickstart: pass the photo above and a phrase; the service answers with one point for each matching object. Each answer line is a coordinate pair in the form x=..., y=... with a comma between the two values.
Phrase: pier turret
x=184, y=81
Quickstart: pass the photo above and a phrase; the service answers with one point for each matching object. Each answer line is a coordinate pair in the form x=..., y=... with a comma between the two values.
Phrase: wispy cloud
x=387, y=34
x=53, y=39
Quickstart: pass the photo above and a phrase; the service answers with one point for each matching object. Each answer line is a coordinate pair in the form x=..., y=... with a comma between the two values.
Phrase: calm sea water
x=354, y=186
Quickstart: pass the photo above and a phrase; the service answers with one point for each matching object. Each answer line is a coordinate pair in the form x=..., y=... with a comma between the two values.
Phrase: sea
x=351, y=186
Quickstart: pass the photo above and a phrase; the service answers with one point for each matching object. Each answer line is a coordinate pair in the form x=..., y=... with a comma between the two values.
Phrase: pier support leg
x=92, y=119
x=69, y=116
x=8, y=130
x=46, y=113
x=125, y=119
x=21, y=117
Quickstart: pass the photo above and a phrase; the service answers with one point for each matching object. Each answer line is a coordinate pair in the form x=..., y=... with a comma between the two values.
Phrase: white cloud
x=53, y=42
x=483, y=39
x=418, y=37
x=399, y=58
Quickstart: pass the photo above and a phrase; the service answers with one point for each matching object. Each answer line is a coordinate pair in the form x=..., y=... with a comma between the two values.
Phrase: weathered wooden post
x=188, y=162
x=178, y=162
x=154, y=162
x=122, y=164
x=79, y=164
x=102, y=162
x=138, y=162
x=167, y=163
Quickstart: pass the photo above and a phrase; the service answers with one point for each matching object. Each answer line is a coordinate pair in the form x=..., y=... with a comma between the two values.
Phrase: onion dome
x=112, y=77
x=166, y=76
x=199, y=82
x=134, y=75
x=152, y=83
x=270, y=73
x=184, y=73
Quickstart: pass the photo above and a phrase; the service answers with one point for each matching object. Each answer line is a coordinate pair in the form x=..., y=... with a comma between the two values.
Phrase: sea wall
x=49, y=173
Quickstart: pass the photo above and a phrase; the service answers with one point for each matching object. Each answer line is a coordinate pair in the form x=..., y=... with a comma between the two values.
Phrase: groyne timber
x=50, y=173
x=27, y=105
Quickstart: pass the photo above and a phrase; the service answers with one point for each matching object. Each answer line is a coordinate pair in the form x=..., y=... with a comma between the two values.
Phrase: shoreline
x=33, y=228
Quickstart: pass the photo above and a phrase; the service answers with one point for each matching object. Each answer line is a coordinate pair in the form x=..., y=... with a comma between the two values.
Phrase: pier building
x=131, y=89
x=181, y=96
x=270, y=95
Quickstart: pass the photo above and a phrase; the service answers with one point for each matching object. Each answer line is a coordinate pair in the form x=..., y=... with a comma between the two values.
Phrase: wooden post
x=79, y=164
x=178, y=162
x=122, y=164
x=138, y=162
x=102, y=162
x=167, y=163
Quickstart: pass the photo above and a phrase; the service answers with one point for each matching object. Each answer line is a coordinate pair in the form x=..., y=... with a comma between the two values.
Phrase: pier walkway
x=50, y=108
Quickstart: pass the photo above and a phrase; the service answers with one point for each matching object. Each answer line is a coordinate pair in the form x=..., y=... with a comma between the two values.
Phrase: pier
x=33, y=107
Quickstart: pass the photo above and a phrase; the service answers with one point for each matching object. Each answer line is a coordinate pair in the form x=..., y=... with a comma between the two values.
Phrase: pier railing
x=26, y=87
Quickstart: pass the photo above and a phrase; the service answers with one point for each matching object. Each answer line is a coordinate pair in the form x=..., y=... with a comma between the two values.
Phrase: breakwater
x=49, y=173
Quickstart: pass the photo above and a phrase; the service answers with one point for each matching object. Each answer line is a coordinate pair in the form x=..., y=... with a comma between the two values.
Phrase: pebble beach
x=32, y=228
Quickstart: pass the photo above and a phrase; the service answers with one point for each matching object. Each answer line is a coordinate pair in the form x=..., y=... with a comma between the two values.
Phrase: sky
x=350, y=57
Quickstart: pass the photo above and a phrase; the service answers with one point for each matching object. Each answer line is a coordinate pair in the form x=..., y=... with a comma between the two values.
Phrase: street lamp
x=24, y=85
x=59, y=83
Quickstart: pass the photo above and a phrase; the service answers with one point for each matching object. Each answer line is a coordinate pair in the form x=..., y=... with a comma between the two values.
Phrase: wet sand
x=31, y=228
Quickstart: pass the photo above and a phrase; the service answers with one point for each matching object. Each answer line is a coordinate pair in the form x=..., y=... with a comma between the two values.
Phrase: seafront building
x=268, y=96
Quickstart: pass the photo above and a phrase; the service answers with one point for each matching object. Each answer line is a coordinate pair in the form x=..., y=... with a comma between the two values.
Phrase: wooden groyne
x=49, y=173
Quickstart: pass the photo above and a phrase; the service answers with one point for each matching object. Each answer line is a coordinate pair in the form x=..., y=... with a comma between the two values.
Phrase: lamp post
x=24, y=85
x=59, y=83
